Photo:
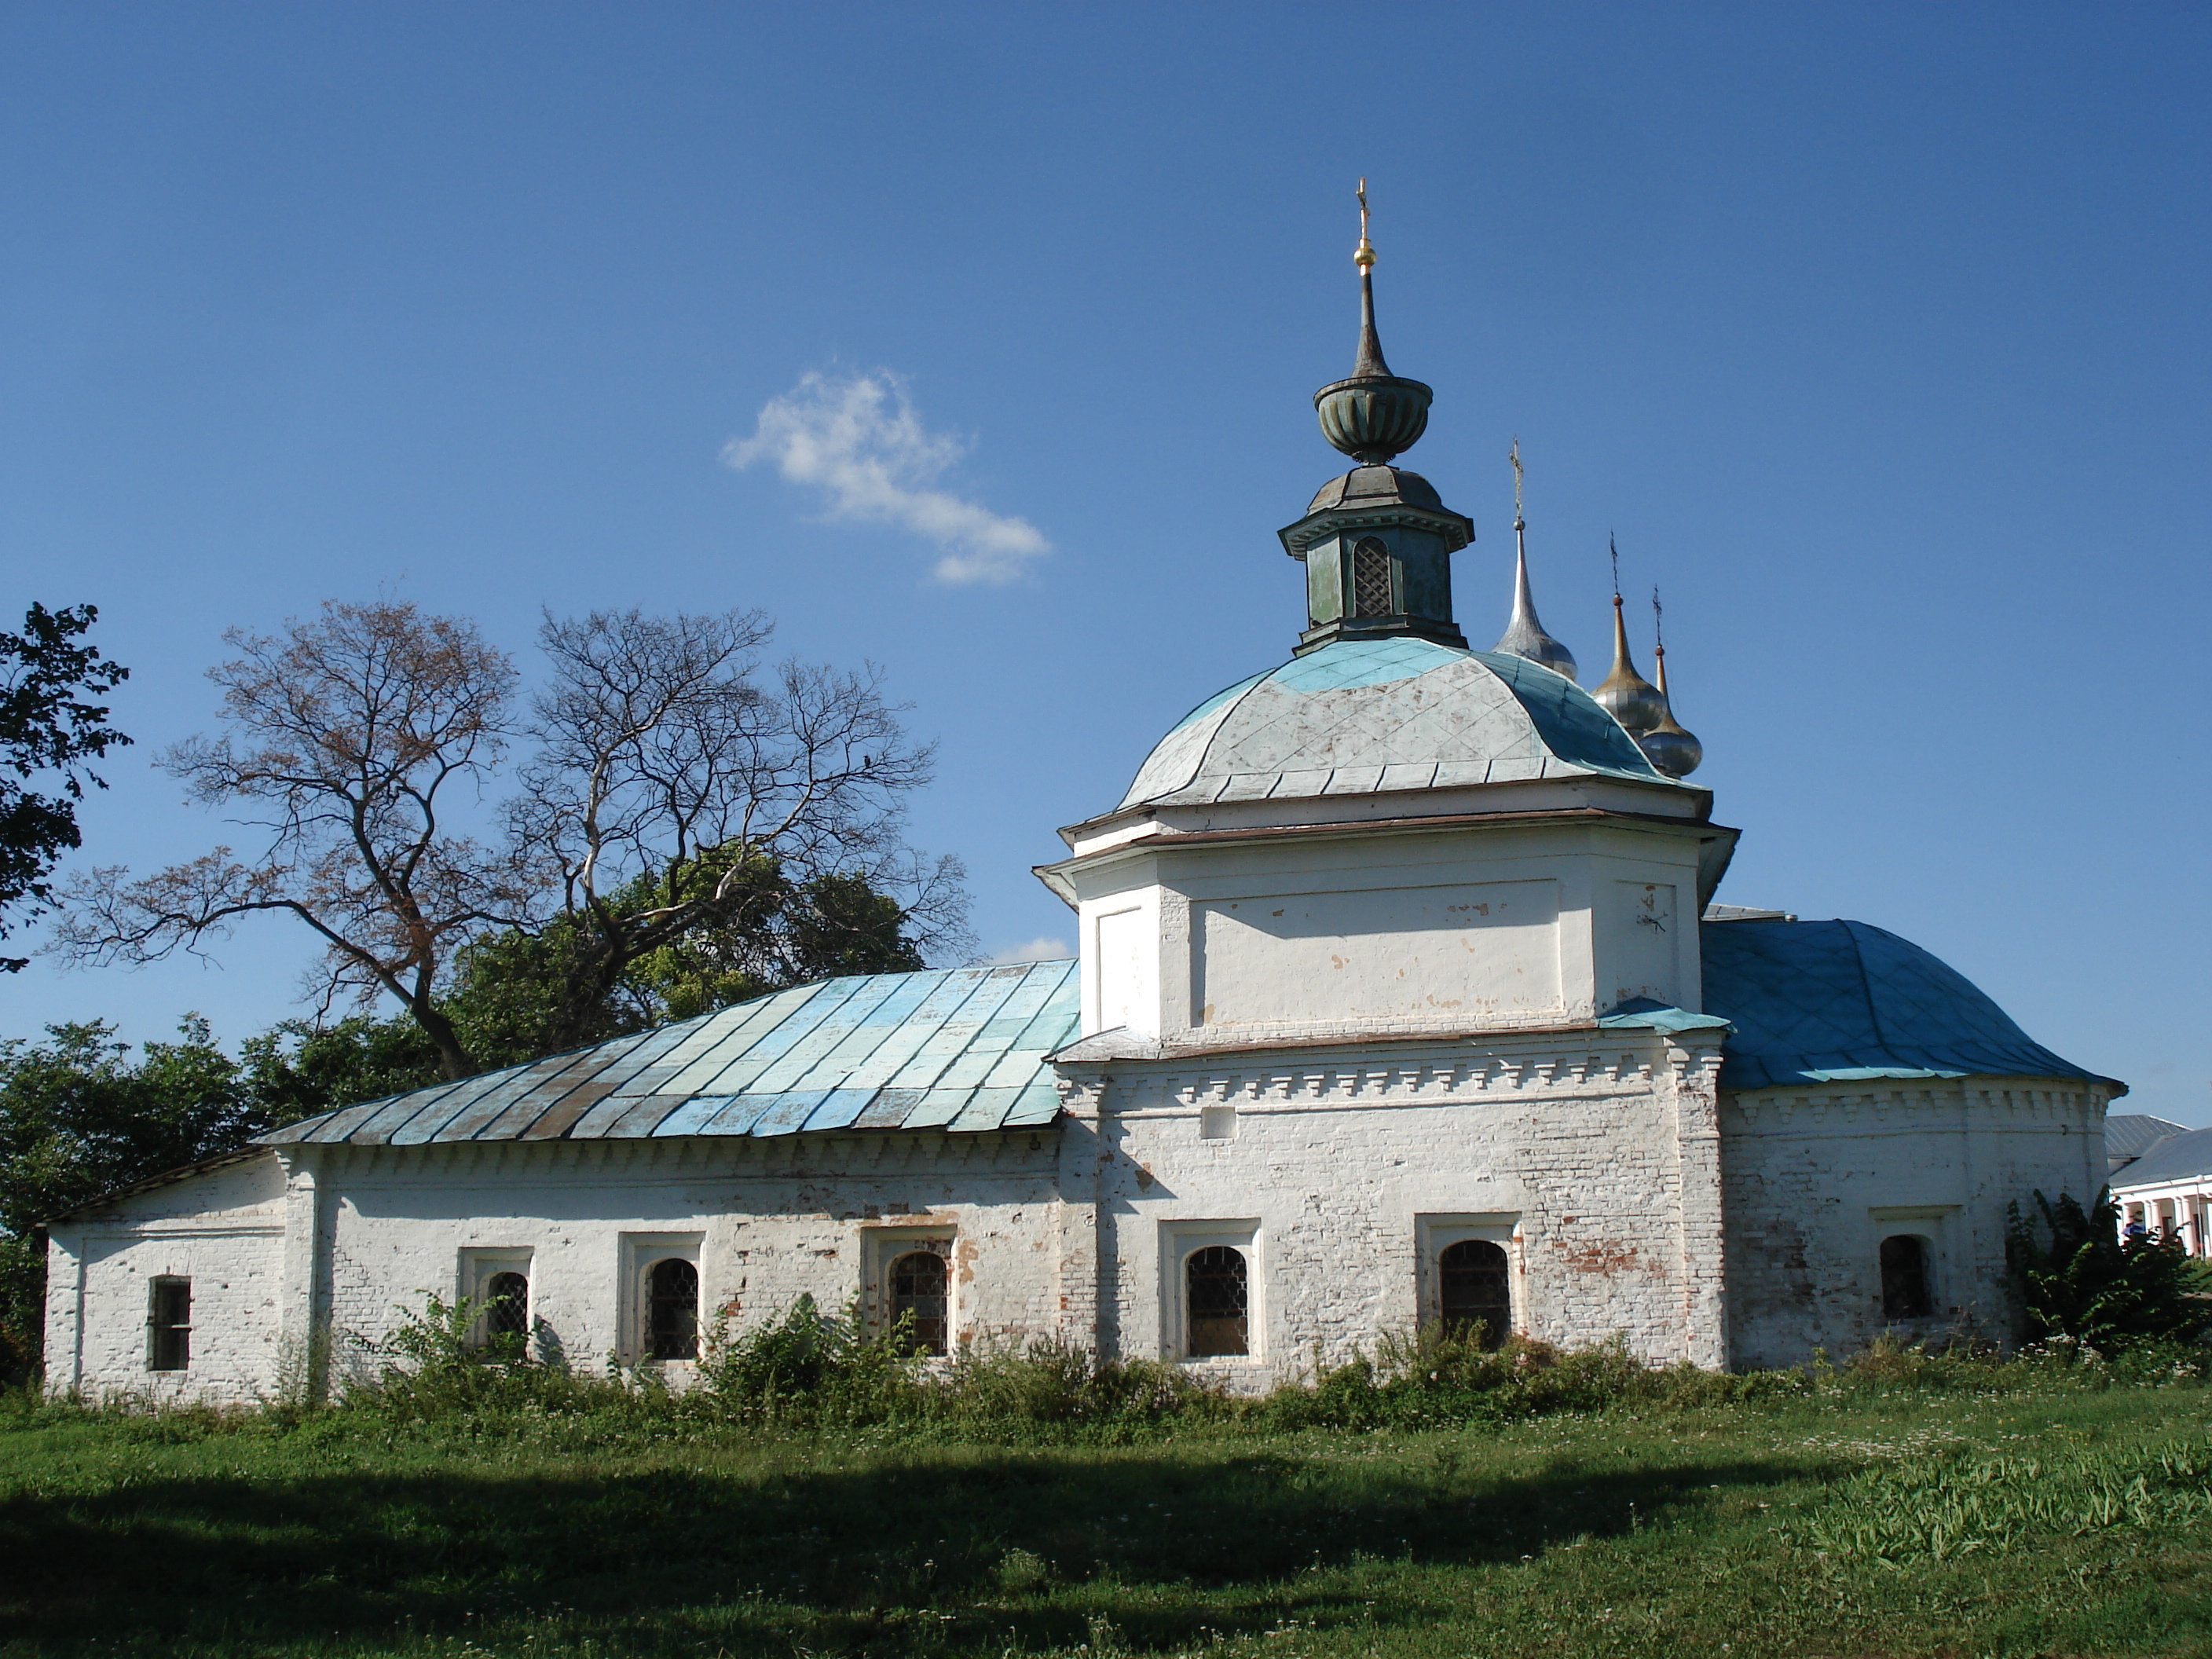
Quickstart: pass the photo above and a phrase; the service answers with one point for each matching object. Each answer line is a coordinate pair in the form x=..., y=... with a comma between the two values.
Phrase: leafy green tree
x=2077, y=1278
x=49, y=727
x=297, y=1069
x=80, y=1117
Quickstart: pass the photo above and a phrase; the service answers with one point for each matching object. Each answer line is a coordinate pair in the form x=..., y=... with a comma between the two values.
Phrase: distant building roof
x=1829, y=1002
x=2128, y=1135
x=1362, y=716
x=958, y=1049
x=2183, y=1156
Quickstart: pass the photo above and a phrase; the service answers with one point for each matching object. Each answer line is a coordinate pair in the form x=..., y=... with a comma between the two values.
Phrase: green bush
x=2081, y=1285
x=809, y=1370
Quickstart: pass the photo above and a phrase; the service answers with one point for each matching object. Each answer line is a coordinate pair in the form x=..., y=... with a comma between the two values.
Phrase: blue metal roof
x=957, y=1048
x=1832, y=1001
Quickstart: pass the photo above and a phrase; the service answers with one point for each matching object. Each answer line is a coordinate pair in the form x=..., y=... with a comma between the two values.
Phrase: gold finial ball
x=1364, y=255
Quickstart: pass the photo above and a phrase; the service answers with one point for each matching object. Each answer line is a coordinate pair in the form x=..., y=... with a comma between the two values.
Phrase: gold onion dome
x=1626, y=694
x=1374, y=414
x=1667, y=745
x=1524, y=636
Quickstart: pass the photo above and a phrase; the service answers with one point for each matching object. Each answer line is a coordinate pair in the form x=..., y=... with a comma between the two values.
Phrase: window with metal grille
x=1475, y=1291
x=671, y=1309
x=507, y=1306
x=1371, y=580
x=918, y=1288
x=169, y=1325
x=1904, y=1277
x=1215, y=1302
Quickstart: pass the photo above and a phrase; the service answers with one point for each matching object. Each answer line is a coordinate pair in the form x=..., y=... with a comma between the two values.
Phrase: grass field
x=1939, y=1514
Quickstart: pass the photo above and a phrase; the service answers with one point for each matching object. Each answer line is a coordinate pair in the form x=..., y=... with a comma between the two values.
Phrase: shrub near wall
x=814, y=1370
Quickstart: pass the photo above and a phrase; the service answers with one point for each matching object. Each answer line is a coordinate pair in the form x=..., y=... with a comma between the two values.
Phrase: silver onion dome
x=1524, y=636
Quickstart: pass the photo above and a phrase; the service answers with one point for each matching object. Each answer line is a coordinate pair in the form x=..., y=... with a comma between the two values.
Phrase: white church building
x=1402, y=996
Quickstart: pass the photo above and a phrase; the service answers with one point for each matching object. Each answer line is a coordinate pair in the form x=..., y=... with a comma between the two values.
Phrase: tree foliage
x=79, y=1117
x=49, y=727
x=2077, y=1278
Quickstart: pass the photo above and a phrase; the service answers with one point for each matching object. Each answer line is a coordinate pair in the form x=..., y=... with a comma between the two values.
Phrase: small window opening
x=1904, y=1277
x=1476, y=1291
x=918, y=1288
x=169, y=1320
x=1370, y=579
x=1216, y=1123
x=671, y=1309
x=507, y=1306
x=1216, y=1282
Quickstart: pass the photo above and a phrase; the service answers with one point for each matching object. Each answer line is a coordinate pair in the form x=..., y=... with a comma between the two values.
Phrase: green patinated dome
x=1366, y=716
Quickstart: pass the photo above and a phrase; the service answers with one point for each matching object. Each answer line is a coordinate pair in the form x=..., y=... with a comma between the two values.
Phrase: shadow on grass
x=921, y=1551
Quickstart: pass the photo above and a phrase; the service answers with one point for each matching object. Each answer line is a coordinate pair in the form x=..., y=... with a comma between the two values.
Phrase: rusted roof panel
x=963, y=1048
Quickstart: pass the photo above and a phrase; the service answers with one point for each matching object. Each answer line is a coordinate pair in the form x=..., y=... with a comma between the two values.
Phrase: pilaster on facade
x=1694, y=1060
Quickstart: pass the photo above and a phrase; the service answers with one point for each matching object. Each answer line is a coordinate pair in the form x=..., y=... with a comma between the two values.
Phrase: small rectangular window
x=169, y=1324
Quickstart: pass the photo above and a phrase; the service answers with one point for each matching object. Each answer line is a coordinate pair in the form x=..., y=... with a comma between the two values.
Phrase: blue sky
x=1878, y=334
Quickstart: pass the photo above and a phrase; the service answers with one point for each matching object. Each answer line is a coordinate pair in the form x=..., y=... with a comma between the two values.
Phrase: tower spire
x=1524, y=636
x=1667, y=745
x=1626, y=694
x=1369, y=364
x=1374, y=414
x=1376, y=542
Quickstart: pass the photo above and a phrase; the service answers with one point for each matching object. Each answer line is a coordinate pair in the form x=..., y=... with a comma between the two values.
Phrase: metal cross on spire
x=1514, y=456
x=1364, y=255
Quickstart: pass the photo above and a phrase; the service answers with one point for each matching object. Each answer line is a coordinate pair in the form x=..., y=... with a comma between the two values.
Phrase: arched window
x=1370, y=579
x=1475, y=1291
x=1904, y=1277
x=918, y=1288
x=507, y=1306
x=1215, y=1302
x=671, y=1309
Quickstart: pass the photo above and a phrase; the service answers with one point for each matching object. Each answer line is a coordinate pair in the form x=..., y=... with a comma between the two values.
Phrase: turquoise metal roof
x=1360, y=716
x=1836, y=1001
x=957, y=1048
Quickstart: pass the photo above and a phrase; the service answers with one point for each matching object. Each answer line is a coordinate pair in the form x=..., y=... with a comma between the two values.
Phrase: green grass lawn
x=1865, y=1519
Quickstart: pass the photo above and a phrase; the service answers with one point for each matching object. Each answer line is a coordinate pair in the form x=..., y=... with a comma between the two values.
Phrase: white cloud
x=859, y=442
x=1037, y=950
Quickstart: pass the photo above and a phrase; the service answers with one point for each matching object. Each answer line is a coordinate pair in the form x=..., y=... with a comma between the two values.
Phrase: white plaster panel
x=1645, y=961
x=1477, y=948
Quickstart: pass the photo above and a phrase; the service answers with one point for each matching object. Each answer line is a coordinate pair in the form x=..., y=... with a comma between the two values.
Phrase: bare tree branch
x=663, y=759
x=342, y=732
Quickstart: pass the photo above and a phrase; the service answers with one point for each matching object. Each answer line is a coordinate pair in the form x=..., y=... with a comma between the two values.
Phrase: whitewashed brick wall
x=223, y=1229
x=1809, y=1174
x=1631, y=1198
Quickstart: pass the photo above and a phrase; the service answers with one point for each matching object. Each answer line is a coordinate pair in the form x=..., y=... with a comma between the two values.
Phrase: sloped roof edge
x=952, y=1048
